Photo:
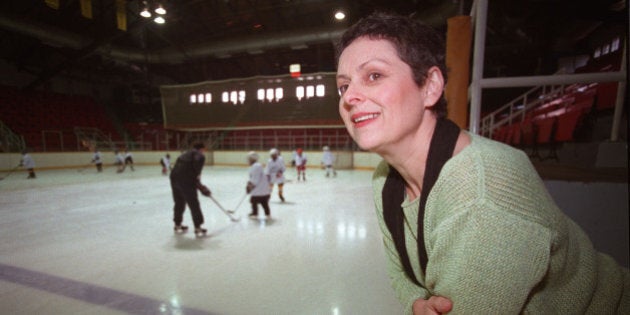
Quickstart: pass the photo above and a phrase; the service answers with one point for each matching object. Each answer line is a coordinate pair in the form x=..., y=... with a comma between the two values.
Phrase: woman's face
x=380, y=103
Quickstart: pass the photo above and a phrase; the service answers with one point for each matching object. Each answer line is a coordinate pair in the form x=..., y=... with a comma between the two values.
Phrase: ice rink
x=75, y=241
x=80, y=242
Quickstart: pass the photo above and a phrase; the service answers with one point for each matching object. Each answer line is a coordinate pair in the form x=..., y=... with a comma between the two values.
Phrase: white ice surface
x=322, y=253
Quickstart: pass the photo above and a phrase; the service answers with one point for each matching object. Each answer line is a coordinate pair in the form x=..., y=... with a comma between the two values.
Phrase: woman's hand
x=434, y=305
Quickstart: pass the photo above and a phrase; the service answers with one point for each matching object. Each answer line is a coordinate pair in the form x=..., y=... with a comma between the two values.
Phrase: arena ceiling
x=219, y=39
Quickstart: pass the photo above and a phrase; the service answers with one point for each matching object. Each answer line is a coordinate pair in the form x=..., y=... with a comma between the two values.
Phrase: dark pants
x=183, y=194
x=129, y=161
x=263, y=201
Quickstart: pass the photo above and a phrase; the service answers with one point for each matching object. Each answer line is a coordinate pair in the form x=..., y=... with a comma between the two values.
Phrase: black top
x=188, y=167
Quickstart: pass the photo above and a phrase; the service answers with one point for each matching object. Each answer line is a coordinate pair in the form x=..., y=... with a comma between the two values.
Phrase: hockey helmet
x=252, y=156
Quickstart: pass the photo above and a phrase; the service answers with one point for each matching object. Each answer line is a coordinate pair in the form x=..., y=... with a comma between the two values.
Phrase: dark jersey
x=188, y=167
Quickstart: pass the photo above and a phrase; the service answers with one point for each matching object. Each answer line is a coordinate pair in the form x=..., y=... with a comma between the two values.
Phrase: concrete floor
x=80, y=242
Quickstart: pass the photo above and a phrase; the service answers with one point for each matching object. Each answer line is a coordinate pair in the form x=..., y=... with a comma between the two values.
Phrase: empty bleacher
x=47, y=120
x=553, y=120
x=548, y=116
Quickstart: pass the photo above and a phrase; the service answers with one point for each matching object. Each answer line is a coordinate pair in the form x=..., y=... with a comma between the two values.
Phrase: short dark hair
x=418, y=45
x=199, y=145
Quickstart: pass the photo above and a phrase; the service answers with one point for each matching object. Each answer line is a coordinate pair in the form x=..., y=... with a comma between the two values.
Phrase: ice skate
x=281, y=197
x=179, y=229
x=200, y=232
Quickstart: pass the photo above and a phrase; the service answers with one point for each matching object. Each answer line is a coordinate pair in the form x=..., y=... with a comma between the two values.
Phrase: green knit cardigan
x=498, y=244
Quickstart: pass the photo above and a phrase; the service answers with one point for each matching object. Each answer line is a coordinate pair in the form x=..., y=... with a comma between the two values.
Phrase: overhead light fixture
x=339, y=15
x=160, y=10
x=145, y=10
x=145, y=13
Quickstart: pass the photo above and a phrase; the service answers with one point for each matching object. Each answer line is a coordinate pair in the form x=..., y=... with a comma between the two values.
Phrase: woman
x=467, y=224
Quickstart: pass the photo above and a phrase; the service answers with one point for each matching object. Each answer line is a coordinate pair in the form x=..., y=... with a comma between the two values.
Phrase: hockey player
x=128, y=159
x=166, y=164
x=328, y=159
x=119, y=162
x=28, y=163
x=258, y=186
x=300, y=164
x=185, y=181
x=275, y=169
x=96, y=159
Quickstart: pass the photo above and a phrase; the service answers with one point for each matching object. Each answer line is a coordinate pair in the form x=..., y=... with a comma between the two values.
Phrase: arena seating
x=46, y=120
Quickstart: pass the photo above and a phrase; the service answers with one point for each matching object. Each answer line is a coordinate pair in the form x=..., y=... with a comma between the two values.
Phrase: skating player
x=97, y=160
x=300, y=164
x=119, y=162
x=28, y=163
x=258, y=186
x=185, y=181
x=275, y=169
x=328, y=160
x=128, y=159
x=166, y=164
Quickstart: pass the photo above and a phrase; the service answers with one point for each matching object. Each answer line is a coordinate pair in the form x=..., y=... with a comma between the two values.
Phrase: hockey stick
x=239, y=204
x=233, y=218
x=10, y=172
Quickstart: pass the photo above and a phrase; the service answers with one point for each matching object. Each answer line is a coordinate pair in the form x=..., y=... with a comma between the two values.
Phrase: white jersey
x=166, y=162
x=27, y=161
x=259, y=179
x=119, y=159
x=276, y=170
x=328, y=158
x=300, y=159
x=97, y=158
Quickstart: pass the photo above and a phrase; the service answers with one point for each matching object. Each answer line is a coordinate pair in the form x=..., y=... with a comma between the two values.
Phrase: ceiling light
x=159, y=20
x=145, y=13
x=339, y=15
x=160, y=10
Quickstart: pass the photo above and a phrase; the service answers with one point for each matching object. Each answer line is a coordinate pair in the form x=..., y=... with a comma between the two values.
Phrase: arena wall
x=60, y=160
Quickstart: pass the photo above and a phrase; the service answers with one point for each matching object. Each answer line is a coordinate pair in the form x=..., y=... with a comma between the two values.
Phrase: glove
x=204, y=190
x=249, y=187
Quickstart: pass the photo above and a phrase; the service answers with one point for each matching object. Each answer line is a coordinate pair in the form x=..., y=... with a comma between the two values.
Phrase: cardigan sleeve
x=485, y=260
x=406, y=291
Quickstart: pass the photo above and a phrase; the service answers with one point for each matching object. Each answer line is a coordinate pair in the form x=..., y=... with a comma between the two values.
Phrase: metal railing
x=169, y=140
x=9, y=141
x=516, y=109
